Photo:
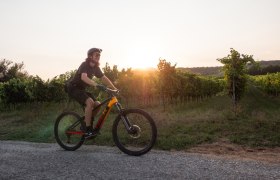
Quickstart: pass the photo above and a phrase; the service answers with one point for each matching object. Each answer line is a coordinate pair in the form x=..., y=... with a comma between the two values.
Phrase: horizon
x=137, y=69
x=52, y=37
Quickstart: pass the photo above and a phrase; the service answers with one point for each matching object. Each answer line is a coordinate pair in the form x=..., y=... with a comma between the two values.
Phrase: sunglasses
x=97, y=54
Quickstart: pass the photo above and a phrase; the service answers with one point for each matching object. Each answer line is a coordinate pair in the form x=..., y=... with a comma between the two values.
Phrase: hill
x=207, y=71
x=269, y=63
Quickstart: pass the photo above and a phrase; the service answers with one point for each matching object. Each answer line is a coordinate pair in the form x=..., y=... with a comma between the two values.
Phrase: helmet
x=92, y=50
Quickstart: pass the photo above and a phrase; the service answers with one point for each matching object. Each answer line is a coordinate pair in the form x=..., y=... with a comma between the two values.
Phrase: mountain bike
x=134, y=131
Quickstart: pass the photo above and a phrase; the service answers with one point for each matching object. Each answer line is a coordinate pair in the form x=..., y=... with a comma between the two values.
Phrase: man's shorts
x=80, y=95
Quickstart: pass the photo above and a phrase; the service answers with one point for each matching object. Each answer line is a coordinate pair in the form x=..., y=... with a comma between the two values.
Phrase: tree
x=235, y=73
x=167, y=80
x=112, y=74
x=10, y=70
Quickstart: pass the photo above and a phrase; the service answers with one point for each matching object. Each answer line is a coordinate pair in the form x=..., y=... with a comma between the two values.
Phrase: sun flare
x=143, y=59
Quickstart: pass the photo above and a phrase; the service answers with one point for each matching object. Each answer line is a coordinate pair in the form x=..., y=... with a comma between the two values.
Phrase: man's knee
x=96, y=103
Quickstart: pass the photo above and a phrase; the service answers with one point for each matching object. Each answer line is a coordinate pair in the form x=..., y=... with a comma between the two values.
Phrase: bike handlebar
x=112, y=92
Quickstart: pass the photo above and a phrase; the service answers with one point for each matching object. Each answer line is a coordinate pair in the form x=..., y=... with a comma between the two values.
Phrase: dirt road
x=24, y=160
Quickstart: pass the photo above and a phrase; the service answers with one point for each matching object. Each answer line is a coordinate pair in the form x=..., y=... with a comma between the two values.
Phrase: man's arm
x=87, y=80
x=107, y=81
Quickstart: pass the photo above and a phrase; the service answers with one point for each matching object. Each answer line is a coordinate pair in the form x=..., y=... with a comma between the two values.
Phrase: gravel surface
x=24, y=160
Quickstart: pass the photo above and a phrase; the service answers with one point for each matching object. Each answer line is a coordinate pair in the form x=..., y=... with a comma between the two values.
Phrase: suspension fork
x=125, y=120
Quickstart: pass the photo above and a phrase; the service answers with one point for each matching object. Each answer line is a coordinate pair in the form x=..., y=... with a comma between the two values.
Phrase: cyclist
x=81, y=80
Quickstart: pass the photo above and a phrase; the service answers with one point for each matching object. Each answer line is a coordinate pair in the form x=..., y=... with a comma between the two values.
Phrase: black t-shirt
x=85, y=68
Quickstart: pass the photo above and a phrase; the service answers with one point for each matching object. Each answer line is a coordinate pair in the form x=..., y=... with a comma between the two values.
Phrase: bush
x=14, y=91
x=269, y=83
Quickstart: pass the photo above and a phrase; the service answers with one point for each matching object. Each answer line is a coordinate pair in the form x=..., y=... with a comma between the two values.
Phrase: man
x=81, y=80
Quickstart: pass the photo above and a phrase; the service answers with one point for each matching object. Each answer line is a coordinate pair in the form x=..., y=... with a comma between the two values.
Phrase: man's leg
x=90, y=132
x=88, y=111
x=83, y=98
x=95, y=112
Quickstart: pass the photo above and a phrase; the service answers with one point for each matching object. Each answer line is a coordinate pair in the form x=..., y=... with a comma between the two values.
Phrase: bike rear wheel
x=141, y=138
x=67, y=131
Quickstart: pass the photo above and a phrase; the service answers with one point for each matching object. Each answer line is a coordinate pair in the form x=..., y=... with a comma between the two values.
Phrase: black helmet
x=92, y=50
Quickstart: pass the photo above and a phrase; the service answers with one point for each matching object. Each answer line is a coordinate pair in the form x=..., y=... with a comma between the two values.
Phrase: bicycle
x=134, y=131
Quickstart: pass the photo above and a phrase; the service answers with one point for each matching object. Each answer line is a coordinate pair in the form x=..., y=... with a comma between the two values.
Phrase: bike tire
x=116, y=136
x=57, y=135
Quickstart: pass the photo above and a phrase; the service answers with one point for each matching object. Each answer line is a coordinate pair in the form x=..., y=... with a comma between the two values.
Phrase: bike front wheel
x=140, y=138
x=67, y=131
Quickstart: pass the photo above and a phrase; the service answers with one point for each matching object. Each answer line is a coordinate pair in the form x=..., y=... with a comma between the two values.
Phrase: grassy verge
x=179, y=127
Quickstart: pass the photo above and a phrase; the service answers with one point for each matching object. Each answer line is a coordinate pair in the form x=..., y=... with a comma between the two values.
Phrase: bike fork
x=125, y=120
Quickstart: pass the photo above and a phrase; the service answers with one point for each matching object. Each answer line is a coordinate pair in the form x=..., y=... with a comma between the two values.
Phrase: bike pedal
x=90, y=137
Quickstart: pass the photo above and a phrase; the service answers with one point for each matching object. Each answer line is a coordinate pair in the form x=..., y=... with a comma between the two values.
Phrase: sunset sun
x=142, y=59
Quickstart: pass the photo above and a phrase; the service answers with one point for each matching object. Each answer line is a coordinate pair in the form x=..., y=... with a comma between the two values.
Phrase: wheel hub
x=136, y=132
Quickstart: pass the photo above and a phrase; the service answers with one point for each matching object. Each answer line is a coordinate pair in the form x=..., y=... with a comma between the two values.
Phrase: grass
x=179, y=127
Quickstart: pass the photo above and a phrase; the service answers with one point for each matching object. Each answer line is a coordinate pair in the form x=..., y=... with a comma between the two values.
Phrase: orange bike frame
x=106, y=112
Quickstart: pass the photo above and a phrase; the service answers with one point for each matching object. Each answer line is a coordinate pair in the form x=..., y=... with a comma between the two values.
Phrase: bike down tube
x=74, y=125
x=102, y=103
x=106, y=112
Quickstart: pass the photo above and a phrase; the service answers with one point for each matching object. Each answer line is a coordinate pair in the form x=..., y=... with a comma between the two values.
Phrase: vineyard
x=162, y=86
x=154, y=87
x=269, y=83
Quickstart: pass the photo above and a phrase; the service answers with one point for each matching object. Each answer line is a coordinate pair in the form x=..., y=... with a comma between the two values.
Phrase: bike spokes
x=141, y=136
x=67, y=131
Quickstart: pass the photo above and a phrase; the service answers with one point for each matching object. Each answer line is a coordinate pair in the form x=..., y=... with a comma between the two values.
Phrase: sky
x=53, y=36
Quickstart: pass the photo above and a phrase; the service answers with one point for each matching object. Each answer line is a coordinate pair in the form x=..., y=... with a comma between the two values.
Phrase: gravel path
x=24, y=160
